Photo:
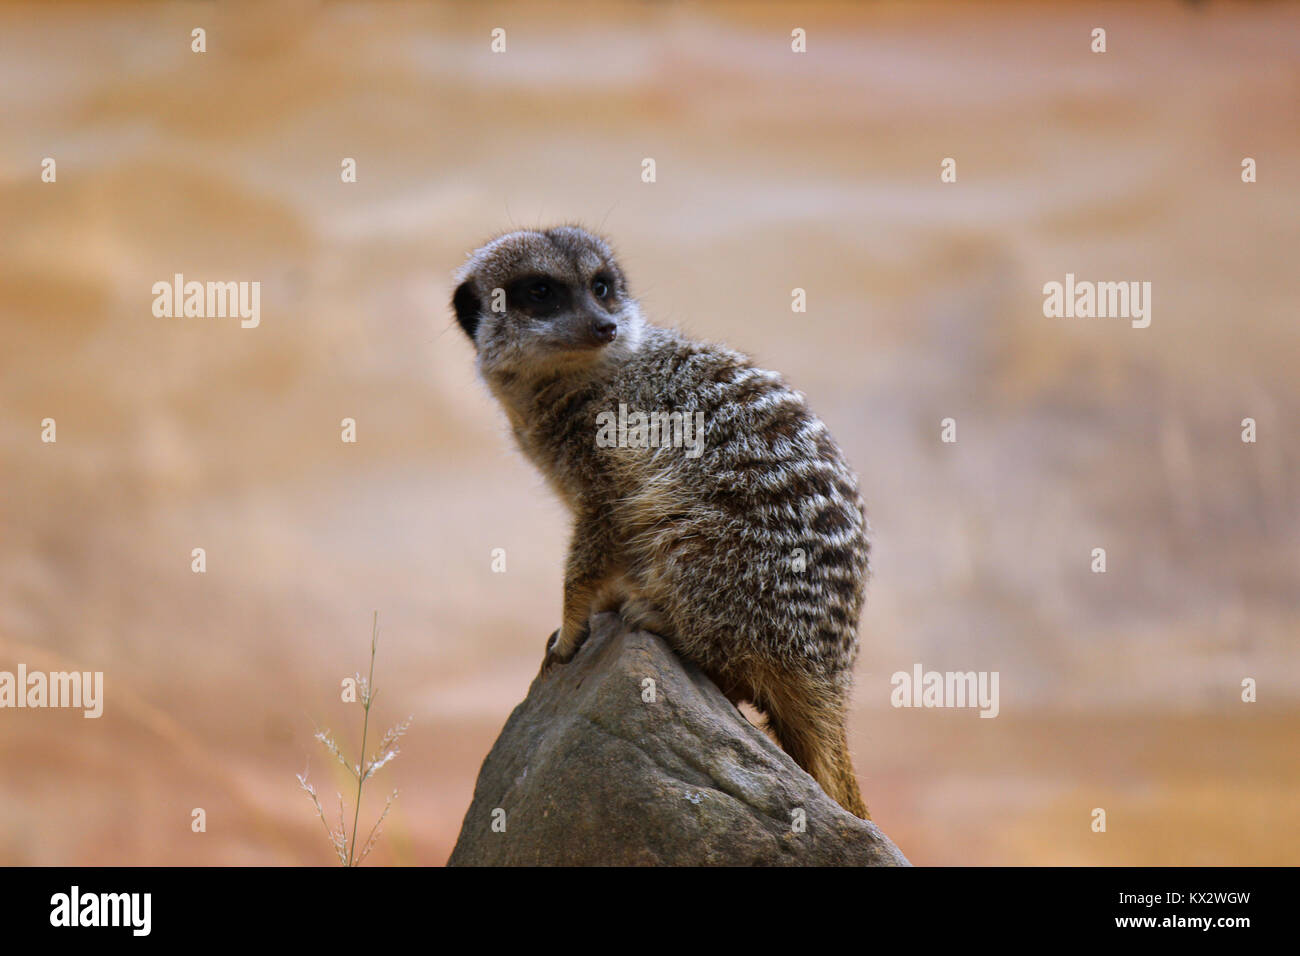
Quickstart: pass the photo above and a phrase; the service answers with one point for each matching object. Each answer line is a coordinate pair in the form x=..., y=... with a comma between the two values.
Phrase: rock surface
x=589, y=771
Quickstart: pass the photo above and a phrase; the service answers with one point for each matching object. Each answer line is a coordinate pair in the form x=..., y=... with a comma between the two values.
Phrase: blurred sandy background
x=775, y=171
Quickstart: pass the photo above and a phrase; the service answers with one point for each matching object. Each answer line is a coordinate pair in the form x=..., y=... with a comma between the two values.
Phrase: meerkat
x=749, y=556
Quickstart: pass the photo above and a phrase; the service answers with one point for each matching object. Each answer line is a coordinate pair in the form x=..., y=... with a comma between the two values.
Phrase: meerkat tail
x=810, y=728
x=842, y=785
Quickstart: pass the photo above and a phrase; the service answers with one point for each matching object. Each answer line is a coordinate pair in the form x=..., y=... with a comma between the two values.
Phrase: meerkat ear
x=466, y=303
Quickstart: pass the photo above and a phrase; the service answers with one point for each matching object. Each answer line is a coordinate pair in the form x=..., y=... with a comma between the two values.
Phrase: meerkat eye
x=539, y=291
x=602, y=287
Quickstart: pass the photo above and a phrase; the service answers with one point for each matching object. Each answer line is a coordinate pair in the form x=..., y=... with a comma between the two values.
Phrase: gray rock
x=588, y=772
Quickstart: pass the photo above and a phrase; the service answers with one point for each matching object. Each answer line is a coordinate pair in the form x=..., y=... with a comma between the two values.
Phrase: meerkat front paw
x=561, y=648
x=548, y=659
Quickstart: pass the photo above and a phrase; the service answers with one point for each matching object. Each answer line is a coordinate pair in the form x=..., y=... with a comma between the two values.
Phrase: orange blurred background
x=775, y=170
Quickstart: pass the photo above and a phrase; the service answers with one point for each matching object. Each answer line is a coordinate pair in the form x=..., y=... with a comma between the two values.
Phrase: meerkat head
x=538, y=302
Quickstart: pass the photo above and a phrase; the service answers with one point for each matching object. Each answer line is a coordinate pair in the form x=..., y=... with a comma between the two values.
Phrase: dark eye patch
x=538, y=295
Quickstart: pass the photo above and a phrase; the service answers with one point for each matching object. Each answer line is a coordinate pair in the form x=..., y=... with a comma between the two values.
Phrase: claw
x=551, y=659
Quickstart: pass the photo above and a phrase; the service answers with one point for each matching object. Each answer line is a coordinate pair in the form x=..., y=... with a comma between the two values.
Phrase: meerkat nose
x=604, y=330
